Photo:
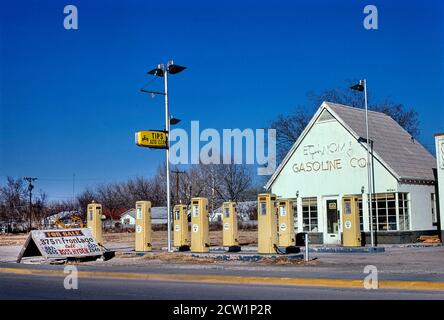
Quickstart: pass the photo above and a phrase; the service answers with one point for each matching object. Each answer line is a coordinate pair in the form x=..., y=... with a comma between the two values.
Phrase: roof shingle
x=406, y=156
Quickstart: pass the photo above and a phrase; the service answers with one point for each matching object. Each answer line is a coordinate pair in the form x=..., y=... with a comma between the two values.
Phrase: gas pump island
x=181, y=233
x=200, y=237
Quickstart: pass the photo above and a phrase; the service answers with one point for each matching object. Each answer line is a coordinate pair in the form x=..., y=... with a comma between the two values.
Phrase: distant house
x=128, y=218
x=244, y=209
x=113, y=214
x=158, y=216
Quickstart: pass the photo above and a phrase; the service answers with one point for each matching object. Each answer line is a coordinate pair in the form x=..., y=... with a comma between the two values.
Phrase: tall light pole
x=162, y=71
x=362, y=86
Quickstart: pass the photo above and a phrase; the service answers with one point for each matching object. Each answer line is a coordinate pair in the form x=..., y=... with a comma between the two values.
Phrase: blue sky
x=70, y=100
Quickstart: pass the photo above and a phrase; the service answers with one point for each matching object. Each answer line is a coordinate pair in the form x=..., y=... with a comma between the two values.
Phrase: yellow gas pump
x=143, y=226
x=200, y=236
x=229, y=221
x=267, y=223
x=94, y=221
x=287, y=238
x=181, y=233
x=351, y=232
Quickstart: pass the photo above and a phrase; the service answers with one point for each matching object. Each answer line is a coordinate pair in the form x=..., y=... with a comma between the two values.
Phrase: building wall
x=132, y=221
x=339, y=153
x=420, y=203
x=439, y=139
x=329, y=141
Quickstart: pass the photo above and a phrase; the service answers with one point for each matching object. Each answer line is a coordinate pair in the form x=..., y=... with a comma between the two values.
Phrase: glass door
x=331, y=232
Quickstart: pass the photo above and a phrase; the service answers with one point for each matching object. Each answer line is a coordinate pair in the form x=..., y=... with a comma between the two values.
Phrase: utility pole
x=369, y=165
x=177, y=172
x=362, y=86
x=30, y=187
x=73, y=186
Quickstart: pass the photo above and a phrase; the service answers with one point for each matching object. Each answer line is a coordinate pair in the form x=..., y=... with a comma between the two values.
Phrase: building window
x=310, y=214
x=434, y=218
x=361, y=213
x=403, y=209
x=384, y=211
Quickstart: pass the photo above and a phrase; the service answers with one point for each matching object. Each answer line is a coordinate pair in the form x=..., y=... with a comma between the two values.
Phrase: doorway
x=332, y=220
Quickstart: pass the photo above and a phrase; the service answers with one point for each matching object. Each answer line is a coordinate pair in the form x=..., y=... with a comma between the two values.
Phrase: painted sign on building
x=328, y=157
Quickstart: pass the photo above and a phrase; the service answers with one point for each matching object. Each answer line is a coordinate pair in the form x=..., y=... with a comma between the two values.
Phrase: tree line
x=218, y=183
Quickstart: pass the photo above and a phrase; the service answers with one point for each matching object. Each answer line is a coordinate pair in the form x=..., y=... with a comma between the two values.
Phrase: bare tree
x=288, y=129
x=222, y=182
x=83, y=199
x=405, y=117
x=14, y=200
x=190, y=185
x=40, y=207
x=110, y=196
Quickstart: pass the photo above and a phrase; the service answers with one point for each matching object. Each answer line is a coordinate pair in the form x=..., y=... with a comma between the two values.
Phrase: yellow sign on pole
x=151, y=139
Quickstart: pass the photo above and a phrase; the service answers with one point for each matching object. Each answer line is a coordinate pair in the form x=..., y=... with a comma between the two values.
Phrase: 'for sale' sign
x=59, y=244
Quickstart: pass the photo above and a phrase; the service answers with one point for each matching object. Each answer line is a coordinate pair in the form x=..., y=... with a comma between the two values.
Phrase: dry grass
x=12, y=239
x=178, y=258
x=187, y=258
x=159, y=238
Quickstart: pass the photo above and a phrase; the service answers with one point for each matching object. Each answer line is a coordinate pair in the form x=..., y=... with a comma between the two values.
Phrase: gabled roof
x=156, y=213
x=394, y=147
x=242, y=206
x=130, y=212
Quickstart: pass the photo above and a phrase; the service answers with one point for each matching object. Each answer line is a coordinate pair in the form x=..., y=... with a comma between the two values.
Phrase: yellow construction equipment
x=59, y=224
x=74, y=222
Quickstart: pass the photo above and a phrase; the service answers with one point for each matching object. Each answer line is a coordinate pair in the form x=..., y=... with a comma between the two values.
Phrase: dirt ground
x=161, y=258
x=159, y=238
x=12, y=239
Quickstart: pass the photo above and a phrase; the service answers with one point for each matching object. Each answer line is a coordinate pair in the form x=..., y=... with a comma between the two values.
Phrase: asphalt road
x=14, y=286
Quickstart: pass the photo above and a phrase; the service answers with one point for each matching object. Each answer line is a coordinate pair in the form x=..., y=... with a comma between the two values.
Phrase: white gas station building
x=328, y=162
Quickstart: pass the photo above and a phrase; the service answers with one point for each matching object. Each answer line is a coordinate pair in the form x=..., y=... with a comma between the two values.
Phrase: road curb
x=251, y=280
